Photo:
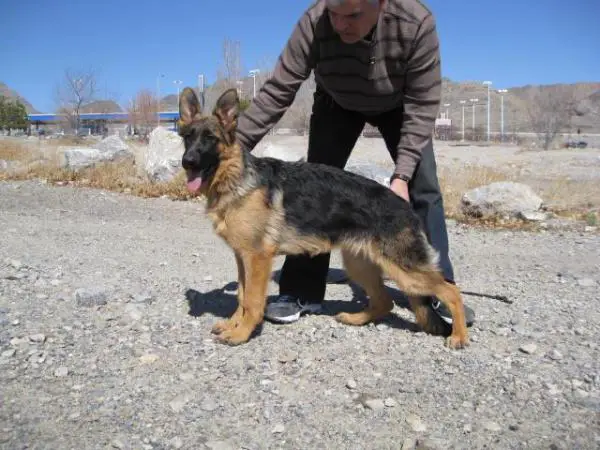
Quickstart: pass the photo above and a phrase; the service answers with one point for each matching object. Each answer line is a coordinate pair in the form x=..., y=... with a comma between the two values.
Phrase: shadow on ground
x=222, y=302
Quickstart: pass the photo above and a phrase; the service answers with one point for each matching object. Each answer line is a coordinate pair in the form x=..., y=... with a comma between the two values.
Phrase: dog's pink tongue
x=194, y=184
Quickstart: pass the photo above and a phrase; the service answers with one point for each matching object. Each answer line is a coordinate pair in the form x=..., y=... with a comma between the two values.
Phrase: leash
x=502, y=298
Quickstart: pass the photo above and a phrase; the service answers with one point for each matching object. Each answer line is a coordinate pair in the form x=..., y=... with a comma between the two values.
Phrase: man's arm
x=277, y=94
x=422, y=97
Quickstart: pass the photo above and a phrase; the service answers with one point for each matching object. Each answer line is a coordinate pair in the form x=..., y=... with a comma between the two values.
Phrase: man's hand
x=400, y=188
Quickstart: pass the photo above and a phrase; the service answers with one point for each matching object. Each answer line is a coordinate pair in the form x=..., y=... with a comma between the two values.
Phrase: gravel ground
x=106, y=304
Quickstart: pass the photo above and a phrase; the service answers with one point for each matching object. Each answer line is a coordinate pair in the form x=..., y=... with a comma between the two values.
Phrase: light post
x=447, y=110
x=502, y=92
x=201, y=89
x=488, y=83
x=240, y=84
x=474, y=101
x=177, y=83
x=253, y=74
x=158, y=98
x=462, y=102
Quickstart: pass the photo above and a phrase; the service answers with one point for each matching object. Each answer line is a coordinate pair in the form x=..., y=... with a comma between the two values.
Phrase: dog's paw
x=223, y=325
x=233, y=336
x=457, y=342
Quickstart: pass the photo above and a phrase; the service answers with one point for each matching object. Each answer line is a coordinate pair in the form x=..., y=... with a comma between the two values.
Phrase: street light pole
x=488, y=83
x=502, y=92
x=462, y=102
x=253, y=74
x=158, y=98
x=473, y=100
x=201, y=89
x=177, y=83
x=447, y=110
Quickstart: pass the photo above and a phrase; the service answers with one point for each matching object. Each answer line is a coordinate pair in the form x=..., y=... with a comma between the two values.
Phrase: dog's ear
x=189, y=107
x=227, y=109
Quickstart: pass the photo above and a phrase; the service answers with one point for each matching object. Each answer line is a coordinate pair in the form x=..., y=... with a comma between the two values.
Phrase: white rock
x=162, y=157
x=504, y=198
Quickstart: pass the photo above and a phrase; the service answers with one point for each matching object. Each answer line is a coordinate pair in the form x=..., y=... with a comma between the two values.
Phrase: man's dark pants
x=333, y=134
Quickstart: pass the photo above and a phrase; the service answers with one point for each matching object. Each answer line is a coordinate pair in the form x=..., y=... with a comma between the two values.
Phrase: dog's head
x=206, y=139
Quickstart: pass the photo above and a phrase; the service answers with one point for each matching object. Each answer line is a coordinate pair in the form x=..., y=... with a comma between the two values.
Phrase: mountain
x=5, y=91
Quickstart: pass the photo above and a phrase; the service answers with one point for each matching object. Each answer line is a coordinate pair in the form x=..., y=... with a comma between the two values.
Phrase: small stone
x=177, y=404
x=555, y=355
x=528, y=348
x=288, y=357
x=586, y=282
x=492, y=426
x=409, y=444
x=389, y=402
x=143, y=297
x=589, y=229
x=416, y=423
x=382, y=327
x=62, y=371
x=208, y=278
x=149, y=358
x=351, y=384
x=8, y=353
x=93, y=296
x=278, y=429
x=37, y=337
x=209, y=405
x=16, y=264
x=375, y=404
x=176, y=442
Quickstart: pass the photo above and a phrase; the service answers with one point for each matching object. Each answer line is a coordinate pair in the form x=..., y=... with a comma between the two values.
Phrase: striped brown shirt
x=398, y=66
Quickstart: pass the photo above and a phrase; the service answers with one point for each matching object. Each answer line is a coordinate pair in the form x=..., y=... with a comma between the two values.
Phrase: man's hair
x=341, y=2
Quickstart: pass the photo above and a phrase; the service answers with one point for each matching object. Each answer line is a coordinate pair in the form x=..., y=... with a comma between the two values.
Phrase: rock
x=416, y=423
x=555, y=355
x=492, y=426
x=375, y=404
x=389, y=402
x=280, y=152
x=586, y=282
x=114, y=149
x=351, y=384
x=92, y=296
x=162, y=159
x=149, y=358
x=533, y=216
x=288, y=357
x=143, y=297
x=528, y=348
x=371, y=171
x=37, y=337
x=62, y=371
x=278, y=429
x=504, y=198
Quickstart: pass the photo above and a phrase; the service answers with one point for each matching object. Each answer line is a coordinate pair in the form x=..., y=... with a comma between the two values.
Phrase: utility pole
x=502, y=92
x=162, y=75
x=488, y=83
x=462, y=102
x=474, y=101
x=253, y=74
x=201, y=89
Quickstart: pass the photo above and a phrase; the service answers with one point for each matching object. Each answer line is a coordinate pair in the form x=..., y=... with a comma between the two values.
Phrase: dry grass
x=567, y=198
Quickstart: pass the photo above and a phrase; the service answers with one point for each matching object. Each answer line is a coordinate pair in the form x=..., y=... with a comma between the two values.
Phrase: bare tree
x=142, y=111
x=77, y=89
x=298, y=114
x=550, y=111
x=231, y=69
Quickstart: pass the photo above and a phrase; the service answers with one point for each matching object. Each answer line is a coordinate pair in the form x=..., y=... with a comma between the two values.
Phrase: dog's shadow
x=222, y=302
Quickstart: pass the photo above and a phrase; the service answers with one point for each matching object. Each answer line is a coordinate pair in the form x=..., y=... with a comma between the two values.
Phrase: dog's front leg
x=257, y=271
x=234, y=320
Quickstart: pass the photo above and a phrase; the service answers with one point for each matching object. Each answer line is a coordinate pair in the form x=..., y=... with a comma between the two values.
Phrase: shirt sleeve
x=422, y=97
x=276, y=95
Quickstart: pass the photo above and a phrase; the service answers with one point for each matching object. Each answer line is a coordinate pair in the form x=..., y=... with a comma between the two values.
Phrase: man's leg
x=332, y=135
x=426, y=199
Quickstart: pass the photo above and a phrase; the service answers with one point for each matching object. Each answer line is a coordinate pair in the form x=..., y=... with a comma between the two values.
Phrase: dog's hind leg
x=367, y=275
x=426, y=281
x=426, y=318
x=257, y=271
x=234, y=320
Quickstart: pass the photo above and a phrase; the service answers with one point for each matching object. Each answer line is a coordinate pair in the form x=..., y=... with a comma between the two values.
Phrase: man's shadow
x=222, y=302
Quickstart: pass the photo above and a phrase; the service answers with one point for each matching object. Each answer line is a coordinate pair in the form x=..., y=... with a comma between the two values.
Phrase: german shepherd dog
x=264, y=207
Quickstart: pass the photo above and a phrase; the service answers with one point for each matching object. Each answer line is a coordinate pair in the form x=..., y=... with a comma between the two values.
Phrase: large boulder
x=372, y=171
x=501, y=199
x=279, y=152
x=163, y=156
x=110, y=149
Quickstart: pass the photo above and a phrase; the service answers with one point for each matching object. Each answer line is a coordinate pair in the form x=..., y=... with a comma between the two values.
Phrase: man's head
x=353, y=19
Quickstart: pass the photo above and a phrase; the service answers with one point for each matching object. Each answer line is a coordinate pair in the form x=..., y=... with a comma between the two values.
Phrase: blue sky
x=510, y=42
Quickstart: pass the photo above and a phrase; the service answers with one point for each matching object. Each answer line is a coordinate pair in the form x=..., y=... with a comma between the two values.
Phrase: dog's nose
x=188, y=161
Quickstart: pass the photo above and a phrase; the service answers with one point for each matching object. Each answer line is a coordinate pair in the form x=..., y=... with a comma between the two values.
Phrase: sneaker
x=444, y=313
x=288, y=309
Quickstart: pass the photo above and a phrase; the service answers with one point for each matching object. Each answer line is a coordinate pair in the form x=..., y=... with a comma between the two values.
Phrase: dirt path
x=106, y=302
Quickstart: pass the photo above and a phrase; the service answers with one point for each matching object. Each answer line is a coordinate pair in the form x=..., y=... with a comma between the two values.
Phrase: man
x=376, y=62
